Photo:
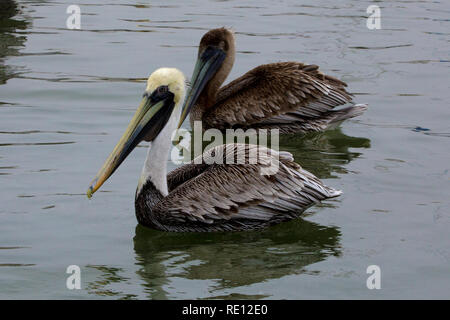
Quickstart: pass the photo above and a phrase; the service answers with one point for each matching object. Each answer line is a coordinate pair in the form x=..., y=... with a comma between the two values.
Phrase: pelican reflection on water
x=222, y=261
x=326, y=153
x=207, y=196
x=289, y=96
x=233, y=260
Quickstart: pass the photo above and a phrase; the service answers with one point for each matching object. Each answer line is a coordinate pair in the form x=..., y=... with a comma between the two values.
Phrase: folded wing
x=251, y=195
x=277, y=93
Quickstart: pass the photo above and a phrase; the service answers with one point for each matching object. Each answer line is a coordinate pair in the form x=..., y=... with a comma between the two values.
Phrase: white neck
x=155, y=165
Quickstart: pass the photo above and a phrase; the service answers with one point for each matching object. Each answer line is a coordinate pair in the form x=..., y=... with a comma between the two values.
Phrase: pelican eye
x=162, y=89
x=223, y=45
x=161, y=93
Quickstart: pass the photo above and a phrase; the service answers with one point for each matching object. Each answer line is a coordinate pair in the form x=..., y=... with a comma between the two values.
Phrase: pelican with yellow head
x=201, y=196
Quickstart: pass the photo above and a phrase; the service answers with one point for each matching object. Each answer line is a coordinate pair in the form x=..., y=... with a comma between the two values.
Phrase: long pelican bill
x=206, y=66
x=147, y=122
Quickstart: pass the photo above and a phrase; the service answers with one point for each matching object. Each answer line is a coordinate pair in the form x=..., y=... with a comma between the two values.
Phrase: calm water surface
x=66, y=96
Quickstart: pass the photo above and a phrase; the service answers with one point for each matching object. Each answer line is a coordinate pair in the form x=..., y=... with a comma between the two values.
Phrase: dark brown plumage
x=290, y=96
x=231, y=197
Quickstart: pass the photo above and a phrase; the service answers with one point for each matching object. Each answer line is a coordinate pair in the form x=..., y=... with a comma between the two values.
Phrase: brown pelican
x=290, y=96
x=208, y=196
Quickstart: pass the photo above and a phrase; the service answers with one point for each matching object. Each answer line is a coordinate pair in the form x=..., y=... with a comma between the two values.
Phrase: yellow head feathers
x=171, y=77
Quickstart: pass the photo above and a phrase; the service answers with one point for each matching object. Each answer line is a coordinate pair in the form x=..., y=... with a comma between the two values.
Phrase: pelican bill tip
x=92, y=188
x=90, y=192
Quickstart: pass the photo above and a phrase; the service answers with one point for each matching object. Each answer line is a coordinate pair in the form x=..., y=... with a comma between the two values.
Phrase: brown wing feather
x=269, y=92
x=182, y=174
x=229, y=197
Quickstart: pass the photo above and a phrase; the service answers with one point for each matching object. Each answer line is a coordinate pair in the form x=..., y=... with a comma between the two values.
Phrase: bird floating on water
x=290, y=96
x=206, y=197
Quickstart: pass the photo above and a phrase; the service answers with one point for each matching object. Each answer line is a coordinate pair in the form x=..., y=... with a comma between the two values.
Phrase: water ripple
x=381, y=48
x=35, y=143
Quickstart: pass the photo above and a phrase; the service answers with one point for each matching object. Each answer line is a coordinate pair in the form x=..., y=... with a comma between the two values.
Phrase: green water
x=66, y=96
